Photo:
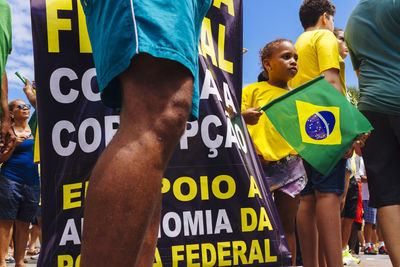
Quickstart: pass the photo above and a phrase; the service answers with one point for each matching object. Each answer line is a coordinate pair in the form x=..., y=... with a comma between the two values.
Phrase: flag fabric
x=318, y=122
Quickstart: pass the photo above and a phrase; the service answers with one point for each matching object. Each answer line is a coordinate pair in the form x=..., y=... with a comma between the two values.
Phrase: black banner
x=217, y=211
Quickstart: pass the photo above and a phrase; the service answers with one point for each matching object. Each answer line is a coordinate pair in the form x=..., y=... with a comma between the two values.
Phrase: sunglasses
x=22, y=106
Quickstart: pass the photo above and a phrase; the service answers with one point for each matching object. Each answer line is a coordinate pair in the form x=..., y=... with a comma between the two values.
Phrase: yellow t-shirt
x=36, y=152
x=267, y=141
x=342, y=75
x=318, y=51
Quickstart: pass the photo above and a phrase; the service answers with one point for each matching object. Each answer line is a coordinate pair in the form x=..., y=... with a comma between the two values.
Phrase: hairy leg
x=307, y=230
x=21, y=239
x=389, y=221
x=125, y=187
x=5, y=237
x=328, y=224
x=287, y=210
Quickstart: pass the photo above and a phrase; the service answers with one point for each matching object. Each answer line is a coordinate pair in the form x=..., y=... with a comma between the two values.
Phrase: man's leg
x=328, y=224
x=307, y=230
x=287, y=210
x=21, y=239
x=5, y=237
x=125, y=187
x=346, y=231
x=389, y=221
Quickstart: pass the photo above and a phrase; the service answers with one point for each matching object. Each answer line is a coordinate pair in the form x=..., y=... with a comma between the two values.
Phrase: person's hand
x=359, y=142
x=361, y=139
x=7, y=139
x=349, y=152
x=251, y=115
x=28, y=86
x=364, y=179
x=19, y=139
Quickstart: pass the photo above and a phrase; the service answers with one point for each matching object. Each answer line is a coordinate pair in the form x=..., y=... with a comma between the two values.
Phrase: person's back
x=318, y=51
x=373, y=37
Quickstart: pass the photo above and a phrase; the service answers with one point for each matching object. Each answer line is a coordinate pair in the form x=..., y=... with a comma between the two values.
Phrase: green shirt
x=5, y=36
x=373, y=38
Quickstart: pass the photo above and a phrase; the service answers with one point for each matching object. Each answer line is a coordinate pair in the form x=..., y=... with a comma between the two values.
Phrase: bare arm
x=332, y=77
x=251, y=115
x=28, y=90
x=7, y=137
x=6, y=155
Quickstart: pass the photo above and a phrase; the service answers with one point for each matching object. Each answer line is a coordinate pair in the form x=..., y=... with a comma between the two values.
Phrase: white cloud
x=21, y=58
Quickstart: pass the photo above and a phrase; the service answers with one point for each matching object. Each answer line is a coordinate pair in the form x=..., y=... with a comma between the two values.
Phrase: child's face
x=343, y=51
x=283, y=63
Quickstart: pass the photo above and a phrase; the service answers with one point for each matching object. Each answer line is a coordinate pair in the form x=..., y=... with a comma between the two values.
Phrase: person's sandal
x=32, y=253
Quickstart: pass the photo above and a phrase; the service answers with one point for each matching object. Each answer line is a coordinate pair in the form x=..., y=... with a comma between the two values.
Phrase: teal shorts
x=119, y=30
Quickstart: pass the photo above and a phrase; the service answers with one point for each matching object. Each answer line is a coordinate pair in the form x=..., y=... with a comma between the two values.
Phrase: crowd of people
x=324, y=236
x=350, y=209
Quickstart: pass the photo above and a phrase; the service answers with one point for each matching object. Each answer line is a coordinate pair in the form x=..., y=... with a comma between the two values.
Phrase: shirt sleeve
x=362, y=167
x=327, y=48
x=246, y=99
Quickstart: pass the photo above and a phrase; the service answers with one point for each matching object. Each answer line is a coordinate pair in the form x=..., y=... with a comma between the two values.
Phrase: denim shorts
x=119, y=30
x=18, y=201
x=331, y=183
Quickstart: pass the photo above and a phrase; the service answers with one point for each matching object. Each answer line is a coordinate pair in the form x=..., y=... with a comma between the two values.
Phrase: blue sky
x=21, y=58
x=263, y=21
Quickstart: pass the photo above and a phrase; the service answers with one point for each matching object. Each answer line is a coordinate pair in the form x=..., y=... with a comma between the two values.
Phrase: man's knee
x=172, y=122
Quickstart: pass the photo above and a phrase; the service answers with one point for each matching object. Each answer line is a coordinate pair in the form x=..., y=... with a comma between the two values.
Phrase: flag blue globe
x=320, y=125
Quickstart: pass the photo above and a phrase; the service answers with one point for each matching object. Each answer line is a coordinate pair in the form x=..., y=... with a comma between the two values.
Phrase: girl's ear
x=266, y=64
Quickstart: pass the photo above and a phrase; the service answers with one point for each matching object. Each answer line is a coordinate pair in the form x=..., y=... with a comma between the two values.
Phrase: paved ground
x=366, y=261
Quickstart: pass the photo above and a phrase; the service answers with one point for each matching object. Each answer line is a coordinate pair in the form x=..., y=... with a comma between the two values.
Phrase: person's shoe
x=348, y=258
x=10, y=259
x=369, y=251
x=383, y=250
x=35, y=257
x=355, y=259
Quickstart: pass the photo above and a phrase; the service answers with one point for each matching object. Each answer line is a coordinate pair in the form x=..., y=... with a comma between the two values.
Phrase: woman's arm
x=6, y=156
x=28, y=90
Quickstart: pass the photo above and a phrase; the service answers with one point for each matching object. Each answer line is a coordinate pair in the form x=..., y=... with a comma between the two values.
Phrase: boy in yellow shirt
x=318, y=217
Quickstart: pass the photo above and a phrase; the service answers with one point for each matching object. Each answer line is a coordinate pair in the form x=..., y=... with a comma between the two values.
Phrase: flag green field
x=318, y=122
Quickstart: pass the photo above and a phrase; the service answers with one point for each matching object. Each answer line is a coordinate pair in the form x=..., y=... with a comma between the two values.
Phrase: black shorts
x=357, y=225
x=382, y=157
x=350, y=206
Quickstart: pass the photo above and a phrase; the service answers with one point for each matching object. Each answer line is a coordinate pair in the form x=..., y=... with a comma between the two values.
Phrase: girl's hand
x=20, y=139
x=251, y=115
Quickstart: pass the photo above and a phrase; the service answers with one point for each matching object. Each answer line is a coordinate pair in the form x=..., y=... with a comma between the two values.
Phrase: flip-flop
x=32, y=253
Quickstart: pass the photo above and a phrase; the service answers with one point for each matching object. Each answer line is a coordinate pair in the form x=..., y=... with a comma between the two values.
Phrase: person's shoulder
x=255, y=86
x=325, y=34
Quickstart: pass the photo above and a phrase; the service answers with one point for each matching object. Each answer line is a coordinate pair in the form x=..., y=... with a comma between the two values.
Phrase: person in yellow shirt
x=283, y=167
x=318, y=220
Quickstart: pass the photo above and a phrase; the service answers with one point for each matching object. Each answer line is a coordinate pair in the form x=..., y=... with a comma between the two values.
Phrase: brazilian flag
x=318, y=122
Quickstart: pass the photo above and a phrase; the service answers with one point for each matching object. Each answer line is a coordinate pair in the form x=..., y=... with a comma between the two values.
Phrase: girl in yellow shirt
x=283, y=167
